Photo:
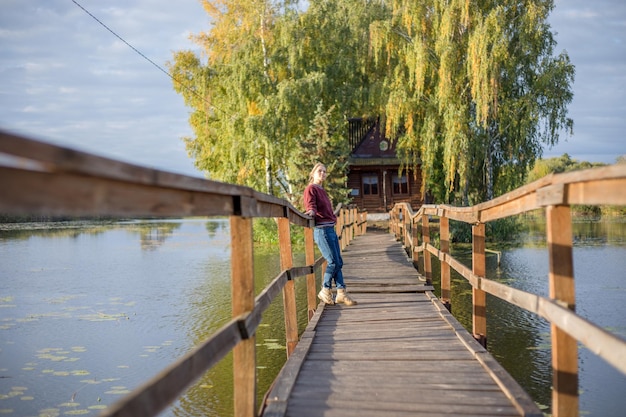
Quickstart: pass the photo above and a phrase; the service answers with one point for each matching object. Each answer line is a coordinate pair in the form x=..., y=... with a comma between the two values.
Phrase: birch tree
x=268, y=67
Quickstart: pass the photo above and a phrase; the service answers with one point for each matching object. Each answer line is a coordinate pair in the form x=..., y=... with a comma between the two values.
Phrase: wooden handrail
x=554, y=193
x=37, y=178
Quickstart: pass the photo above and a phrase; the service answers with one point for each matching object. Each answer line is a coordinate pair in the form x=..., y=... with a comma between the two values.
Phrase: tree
x=233, y=141
x=563, y=163
x=475, y=87
x=323, y=143
x=269, y=66
x=470, y=91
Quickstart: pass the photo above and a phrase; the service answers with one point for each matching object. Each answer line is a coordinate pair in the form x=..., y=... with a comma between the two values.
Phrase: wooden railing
x=555, y=194
x=42, y=179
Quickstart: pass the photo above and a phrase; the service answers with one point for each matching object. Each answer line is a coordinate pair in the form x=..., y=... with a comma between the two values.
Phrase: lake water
x=90, y=311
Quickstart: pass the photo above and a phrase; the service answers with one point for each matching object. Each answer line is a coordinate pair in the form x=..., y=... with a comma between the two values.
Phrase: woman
x=318, y=205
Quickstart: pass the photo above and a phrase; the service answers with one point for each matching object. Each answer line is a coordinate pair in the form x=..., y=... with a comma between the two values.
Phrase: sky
x=66, y=79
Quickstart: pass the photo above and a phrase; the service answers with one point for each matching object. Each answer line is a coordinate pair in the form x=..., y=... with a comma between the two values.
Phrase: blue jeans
x=328, y=243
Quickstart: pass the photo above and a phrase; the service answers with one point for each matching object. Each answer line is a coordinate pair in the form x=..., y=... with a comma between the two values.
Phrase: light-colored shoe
x=326, y=296
x=343, y=297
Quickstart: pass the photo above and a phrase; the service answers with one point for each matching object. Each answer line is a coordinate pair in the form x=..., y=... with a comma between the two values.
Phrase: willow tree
x=474, y=91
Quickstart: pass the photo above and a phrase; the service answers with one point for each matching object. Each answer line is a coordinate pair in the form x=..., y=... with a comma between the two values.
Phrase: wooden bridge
x=399, y=352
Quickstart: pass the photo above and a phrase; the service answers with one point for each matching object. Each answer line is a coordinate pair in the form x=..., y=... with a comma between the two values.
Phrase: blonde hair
x=312, y=173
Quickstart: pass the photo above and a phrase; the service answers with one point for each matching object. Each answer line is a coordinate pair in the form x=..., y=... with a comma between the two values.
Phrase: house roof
x=359, y=161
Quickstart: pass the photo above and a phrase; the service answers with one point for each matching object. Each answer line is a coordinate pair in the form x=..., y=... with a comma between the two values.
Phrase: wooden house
x=374, y=177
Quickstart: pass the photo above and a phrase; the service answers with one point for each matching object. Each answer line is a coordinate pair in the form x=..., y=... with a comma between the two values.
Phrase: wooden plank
x=275, y=404
x=444, y=237
x=78, y=195
x=372, y=403
x=242, y=285
x=41, y=178
x=562, y=290
x=311, y=287
x=388, y=288
x=479, y=297
x=289, y=292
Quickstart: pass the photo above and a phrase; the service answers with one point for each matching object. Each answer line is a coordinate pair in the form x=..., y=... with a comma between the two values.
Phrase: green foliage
x=460, y=232
x=323, y=143
x=564, y=163
x=470, y=91
x=273, y=76
x=498, y=231
x=265, y=233
x=504, y=230
x=475, y=91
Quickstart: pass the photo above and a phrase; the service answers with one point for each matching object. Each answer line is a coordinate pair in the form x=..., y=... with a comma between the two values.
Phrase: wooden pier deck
x=397, y=353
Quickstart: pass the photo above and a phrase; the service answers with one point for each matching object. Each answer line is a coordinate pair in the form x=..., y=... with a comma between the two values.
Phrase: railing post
x=363, y=222
x=415, y=255
x=428, y=271
x=350, y=231
x=289, y=291
x=309, y=253
x=242, y=288
x=407, y=240
x=397, y=219
x=444, y=237
x=562, y=290
x=479, y=297
x=339, y=230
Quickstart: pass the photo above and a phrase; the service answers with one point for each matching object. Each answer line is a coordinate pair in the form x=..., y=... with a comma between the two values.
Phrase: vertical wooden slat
x=444, y=237
x=415, y=255
x=289, y=291
x=417, y=225
x=339, y=230
x=346, y=227
x=352, y=214
x=364, y=223
x=479, y=297
x=242, y=286
x=398, y=220
x=309, y=254
x=562, y=289
x=351, y=222
x=428, y=271
x=405, y=229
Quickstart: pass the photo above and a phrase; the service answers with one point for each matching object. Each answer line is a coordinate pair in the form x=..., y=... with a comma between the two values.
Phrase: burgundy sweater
x=316, y=199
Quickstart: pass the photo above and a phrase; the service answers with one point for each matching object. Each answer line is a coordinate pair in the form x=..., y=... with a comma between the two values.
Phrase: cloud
x=66, y=79
x=594, y=36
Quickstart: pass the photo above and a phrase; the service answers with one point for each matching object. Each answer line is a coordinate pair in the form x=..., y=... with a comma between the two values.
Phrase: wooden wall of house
x=378, y=203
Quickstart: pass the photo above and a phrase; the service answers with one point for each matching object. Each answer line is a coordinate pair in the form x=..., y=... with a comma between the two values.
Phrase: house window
x=370, y=184
x=400, y=184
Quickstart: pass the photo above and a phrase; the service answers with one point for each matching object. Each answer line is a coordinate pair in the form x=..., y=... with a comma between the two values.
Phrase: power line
x=139, y=52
